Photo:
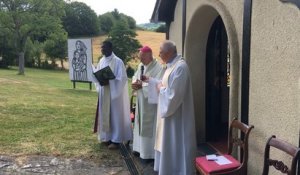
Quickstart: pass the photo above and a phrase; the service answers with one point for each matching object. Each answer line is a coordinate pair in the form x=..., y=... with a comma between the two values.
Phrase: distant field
x=152, y=39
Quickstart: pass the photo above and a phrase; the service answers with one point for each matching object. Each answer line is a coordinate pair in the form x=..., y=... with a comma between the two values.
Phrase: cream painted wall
x=175, y=27
x=274, y=107
x=274, y=77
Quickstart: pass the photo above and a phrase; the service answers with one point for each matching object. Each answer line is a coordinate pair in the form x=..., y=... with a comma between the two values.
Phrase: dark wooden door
x=217, y=91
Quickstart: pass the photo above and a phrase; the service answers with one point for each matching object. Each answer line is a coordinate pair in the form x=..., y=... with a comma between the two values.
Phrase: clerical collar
x=109, y=57
x=145, y=66
x=148, y=64
x=173, y=61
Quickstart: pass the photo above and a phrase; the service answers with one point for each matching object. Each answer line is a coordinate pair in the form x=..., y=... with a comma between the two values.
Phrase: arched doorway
x=204, y=18
x=217, y=85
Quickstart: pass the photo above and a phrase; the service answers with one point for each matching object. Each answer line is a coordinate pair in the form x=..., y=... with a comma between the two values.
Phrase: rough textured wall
x=274, y=78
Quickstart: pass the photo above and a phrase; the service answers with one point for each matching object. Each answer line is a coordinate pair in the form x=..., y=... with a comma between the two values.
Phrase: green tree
x=124, y=43
x=7, y=53
x=109, y=19
x=130, y=21
x=28, y=54
x=106, y=22
x=56, y=47
x=80, y=20
x=37, y=51
x=33, y=53
x=161, y=29
x=24, y=18
x=116, y=14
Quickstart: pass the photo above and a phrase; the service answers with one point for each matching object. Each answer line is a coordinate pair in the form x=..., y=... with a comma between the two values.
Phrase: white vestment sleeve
x=152, y=90
x=94, y=79
x=117, y=84
x=172, y=97
x=135, y=77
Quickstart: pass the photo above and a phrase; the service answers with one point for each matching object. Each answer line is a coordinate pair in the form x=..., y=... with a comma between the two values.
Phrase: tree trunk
x=39, y=62
x=62, y=64
x=21, y=63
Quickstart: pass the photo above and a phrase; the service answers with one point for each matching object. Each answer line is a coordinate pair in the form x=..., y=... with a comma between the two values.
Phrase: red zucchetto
x=145, y=49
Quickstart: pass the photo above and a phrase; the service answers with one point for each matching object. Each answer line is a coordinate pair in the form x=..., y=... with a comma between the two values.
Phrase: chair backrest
x=291, y=150
x=240, y=141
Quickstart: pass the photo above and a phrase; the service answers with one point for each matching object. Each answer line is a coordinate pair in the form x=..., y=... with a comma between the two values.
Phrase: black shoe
x=113, y=146
x=105, y=143
x=135, y=153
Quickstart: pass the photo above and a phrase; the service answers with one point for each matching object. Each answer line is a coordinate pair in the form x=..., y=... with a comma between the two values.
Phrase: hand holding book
x=104, y=75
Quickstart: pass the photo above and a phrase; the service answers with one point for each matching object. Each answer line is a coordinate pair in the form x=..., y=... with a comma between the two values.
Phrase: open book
x=103, y=75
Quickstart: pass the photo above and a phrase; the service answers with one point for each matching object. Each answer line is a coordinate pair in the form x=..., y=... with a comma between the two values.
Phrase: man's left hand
x=159, y=85
x=136, y=85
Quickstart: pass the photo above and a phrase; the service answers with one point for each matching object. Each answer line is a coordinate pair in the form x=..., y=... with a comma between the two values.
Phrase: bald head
x=168, y=50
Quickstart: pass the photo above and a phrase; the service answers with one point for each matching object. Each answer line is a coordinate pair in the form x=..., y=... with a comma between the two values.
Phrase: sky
x=140, y=10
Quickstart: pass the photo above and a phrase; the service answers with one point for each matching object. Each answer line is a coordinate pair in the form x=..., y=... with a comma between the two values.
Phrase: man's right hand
x=136, y=85
x=145, y=78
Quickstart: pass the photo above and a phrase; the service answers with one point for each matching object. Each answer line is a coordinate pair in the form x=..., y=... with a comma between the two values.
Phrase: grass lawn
x=41, y=114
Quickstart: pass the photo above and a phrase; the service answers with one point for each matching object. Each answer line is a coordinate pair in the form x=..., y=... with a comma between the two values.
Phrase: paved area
x=51, y=165
x=48, y=165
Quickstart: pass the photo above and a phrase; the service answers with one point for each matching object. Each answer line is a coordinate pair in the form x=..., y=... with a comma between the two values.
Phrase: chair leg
x=244, y=171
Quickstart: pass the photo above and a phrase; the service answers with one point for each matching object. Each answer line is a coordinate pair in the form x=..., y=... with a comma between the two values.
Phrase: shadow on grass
x=79, y=91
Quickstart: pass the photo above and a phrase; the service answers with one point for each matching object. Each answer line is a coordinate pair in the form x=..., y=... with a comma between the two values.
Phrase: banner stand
x=74, y=83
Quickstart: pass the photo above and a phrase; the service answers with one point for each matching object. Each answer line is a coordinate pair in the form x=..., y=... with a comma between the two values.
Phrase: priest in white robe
x=112, y=121
x=175, y=144
x=145, y=112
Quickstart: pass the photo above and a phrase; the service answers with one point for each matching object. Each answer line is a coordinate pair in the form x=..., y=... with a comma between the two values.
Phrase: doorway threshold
x=221, y=145
x=205, y=149
x=208, y=148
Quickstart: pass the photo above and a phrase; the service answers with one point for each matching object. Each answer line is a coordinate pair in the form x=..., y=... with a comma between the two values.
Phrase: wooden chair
x=291, y=150
x=207, y=167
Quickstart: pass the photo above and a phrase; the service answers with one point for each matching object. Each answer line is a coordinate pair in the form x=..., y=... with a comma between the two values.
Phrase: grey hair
x=169, y=45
